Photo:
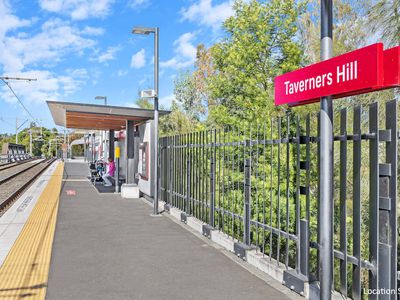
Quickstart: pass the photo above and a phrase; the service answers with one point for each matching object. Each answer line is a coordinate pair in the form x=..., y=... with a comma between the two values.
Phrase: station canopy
x=97, y=117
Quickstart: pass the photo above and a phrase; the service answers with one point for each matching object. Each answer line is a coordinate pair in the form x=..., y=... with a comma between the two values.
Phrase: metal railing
x=259, y=184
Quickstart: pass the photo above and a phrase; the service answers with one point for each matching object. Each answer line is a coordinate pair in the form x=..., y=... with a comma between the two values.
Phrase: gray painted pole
x=30, y=141
x=326, y=165
x=155, y=210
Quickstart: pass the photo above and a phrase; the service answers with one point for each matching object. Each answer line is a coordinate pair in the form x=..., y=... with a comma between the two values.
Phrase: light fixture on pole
x=102, y=98
x=147, y=31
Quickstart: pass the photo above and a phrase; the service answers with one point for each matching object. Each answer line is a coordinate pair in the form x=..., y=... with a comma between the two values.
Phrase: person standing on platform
x=110, y=172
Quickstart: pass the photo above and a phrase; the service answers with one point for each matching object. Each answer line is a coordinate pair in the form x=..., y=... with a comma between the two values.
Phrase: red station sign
x=364, y=70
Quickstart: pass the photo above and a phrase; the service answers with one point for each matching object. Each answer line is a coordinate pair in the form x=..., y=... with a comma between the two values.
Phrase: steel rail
x=4, y=203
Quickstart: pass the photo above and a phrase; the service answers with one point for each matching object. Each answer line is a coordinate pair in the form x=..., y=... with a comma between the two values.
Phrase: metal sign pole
x=326, y=165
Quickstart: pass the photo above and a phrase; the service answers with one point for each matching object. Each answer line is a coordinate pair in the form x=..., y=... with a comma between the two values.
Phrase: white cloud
x=55, y=40
x=25, y=55
x=47, y=86
x=204, y=13
x=138, y=59
x=185, y=53
x=109, y=54
x=121, y=73
x=78, y=9
x=95, y=31
x=138, y=4
x=8, y=20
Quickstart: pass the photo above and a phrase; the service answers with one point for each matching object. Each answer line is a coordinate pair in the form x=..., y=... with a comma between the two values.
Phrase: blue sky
x=78, y=49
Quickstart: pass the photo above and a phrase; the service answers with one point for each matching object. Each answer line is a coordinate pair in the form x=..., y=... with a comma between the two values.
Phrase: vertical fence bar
x=196, y=175
x=319, y=192
x=343, y=196
x=192, y=173
x=270, y=192
x=264, y=187
x=287, y=188
x=255, y=166
x=169, y=170
x=391, y=158
x=219, y=179
x=223, y=181
x=308, y=175
x=373, y=195
x=232, y=208
x=308, y=167
x=212, y=177
x=173, y=194
x=247, y=196
x=299, y=244
x=238, y=184
x=202, y=175
x=187, y=177
x=278, y=250
x=357, y=202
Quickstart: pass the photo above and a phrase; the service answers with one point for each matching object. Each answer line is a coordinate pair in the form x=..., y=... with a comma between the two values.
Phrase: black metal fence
x=259, y=185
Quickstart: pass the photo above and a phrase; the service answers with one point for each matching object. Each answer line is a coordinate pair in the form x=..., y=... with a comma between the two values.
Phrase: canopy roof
x=97, y=117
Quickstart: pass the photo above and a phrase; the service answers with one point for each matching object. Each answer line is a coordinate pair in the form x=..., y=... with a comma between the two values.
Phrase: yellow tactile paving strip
x=25, y=271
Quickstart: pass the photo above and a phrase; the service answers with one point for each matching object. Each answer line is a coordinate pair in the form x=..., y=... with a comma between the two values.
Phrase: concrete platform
x=107, y=247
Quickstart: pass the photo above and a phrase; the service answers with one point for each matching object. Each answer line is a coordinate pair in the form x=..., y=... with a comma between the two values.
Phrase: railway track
x=15, y=170
x=6, y=166
x=13, y=184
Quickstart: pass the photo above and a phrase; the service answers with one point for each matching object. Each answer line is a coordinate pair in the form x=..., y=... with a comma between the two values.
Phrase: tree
x=383, y=18
x=260, y=44
x=177, y=122
x=144, y=103
x=348, y=28
x=189, y=96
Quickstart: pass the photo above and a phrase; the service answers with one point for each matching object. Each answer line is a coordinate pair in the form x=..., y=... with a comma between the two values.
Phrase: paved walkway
x=106, y=247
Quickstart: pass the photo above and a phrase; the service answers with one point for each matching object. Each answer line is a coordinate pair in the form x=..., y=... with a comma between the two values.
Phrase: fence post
x=247, y=195
x=187, y=204
x=212, y=181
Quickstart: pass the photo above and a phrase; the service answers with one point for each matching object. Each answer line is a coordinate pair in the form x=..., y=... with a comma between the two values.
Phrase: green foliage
x=177, y=122
x=144, y=103
x=260, y=44
x=384, y=19
x=190, y=97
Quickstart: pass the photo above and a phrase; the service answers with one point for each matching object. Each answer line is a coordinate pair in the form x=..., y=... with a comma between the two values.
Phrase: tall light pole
x=103, y=133
x=147, y=31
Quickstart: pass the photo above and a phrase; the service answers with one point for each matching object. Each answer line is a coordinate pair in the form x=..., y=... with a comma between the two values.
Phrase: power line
x=4, y=78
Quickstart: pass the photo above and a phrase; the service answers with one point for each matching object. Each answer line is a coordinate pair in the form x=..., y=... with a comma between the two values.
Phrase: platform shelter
x=110, y=127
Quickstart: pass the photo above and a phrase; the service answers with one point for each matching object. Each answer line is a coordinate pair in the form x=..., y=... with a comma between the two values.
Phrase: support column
x=111, y=144
x=130, y=144
x=130, y=189
x=136, y=153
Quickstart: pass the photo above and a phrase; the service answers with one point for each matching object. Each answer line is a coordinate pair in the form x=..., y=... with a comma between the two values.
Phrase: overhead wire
x=19, y=100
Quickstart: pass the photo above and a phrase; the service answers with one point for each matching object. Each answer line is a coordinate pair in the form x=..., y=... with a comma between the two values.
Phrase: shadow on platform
x=106, y=247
